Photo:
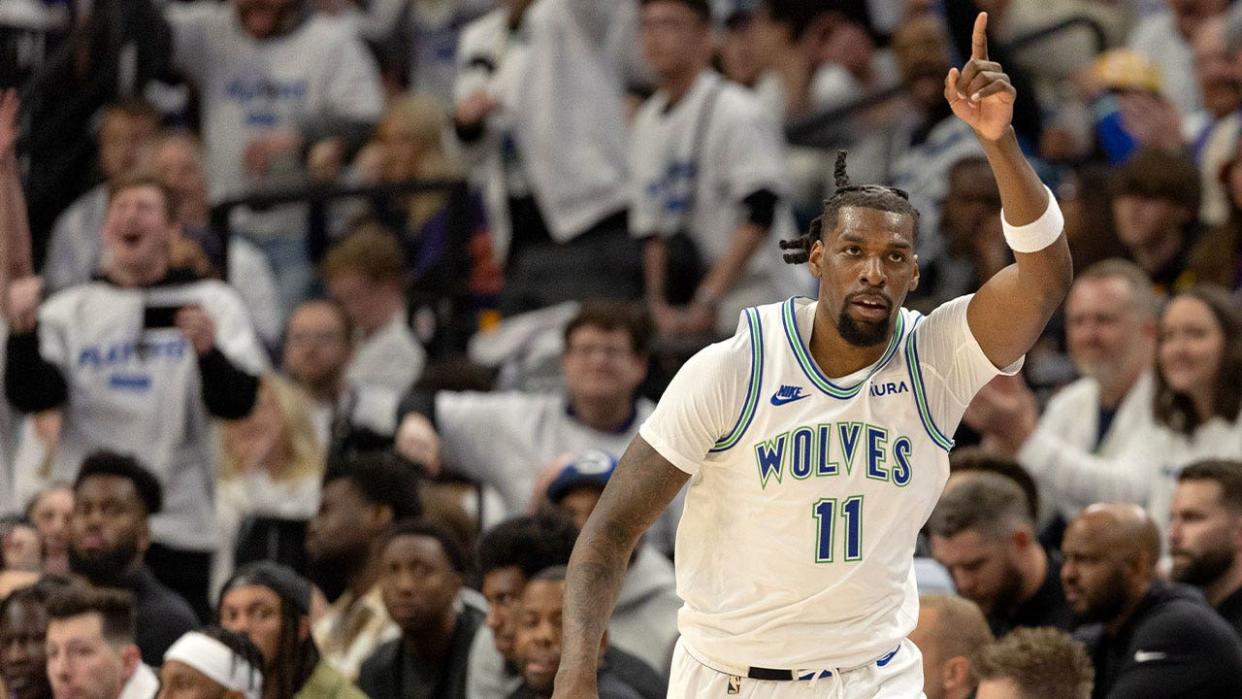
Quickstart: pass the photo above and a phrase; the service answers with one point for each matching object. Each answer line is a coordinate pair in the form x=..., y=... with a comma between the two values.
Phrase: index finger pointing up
x=979, y=40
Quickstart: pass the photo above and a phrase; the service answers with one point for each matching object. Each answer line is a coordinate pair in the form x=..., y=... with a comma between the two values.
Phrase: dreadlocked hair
x=862, y=196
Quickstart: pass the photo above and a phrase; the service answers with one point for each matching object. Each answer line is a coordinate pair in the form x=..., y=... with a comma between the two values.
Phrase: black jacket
x=1173, y=646
x=388, y=674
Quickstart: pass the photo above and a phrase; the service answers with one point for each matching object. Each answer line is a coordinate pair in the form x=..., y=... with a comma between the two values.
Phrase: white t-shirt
x=700, y=193
x=139, y=391
x=806, y=495
x=250, y=87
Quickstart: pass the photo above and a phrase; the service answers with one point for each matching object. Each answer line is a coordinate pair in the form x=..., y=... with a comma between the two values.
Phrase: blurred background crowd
x=326, y=321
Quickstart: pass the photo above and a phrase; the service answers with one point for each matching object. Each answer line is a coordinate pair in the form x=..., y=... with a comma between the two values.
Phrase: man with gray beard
x=1205, y=534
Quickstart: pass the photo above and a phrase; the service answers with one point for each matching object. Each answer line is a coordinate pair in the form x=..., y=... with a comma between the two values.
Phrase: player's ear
x=914, y=279
x=815, y=258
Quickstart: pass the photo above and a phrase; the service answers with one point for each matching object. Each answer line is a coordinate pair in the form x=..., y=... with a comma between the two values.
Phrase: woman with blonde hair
x=270, y=465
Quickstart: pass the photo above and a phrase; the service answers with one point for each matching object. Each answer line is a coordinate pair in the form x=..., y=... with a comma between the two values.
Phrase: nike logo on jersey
x=1146, y=656
x=788, y=394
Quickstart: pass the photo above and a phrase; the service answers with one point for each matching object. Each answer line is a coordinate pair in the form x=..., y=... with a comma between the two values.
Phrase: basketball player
x=816, y=444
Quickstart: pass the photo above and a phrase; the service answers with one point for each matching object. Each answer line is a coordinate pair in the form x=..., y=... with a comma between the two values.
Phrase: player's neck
x=837, y=357
x=1037, y=569
x=1227, y=584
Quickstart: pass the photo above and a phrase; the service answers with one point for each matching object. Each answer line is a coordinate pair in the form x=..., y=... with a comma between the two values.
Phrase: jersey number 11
x=826, y=514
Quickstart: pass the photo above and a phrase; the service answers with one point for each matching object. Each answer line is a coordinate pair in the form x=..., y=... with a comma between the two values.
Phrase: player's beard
x=861, y=334
x=1204, y=568
x=1008, y=596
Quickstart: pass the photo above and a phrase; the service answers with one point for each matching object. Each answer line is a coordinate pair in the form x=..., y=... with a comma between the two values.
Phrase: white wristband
x=1037, y=234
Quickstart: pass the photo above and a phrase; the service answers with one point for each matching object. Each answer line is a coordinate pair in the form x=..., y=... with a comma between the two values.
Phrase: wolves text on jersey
x=826, y=449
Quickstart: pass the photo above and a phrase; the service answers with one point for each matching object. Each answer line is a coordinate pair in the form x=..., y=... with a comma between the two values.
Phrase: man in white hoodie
x=1110, y=328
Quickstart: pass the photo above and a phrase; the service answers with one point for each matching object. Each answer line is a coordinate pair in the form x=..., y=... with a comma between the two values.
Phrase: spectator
x=1164, y=38
x=950, y=630
x=1145, y=637
x=927, y=146
x=270, y=604
x=360, y=500
x=109, y=536
x=789, y=36
x=708, y=180
x=533, y=77
x=492, y=437
x=1156, y=204
x=90, y=647
x=138, y=361
x=644, y=622
x=23, y=657
x=735, y=45
x=348, y=418
x=983, y=533
x=1213, y=132
x=270, y=467
x=1110, y=331
x=274, y=79
x=537, y=641
x=126, y=133
x=1032, y=664
x=971, y=223
x=1218, y=257
x=410, y=143
x=50, y=510
x=365, y=274
x=1205, y=534
x=178, y=163
x=1197, y=395
x=212, y=663
x=510, y=554
x=20, y=547
x=424, y=568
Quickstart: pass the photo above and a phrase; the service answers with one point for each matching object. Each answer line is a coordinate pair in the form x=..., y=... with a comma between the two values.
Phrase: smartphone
x=159, y=316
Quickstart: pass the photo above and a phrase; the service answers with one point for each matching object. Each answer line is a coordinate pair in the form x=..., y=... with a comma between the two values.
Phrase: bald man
x=1146, y=637
x=951, y=629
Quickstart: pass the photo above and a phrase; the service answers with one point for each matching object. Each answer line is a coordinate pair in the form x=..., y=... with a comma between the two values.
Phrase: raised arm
x=1010, y=311
x=642, y=486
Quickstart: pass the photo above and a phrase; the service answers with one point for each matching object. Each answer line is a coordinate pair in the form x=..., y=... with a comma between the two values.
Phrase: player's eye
x=853, y=250
x=897, y=256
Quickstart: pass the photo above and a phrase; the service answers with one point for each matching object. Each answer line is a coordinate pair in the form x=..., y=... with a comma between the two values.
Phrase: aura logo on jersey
x=824, y=450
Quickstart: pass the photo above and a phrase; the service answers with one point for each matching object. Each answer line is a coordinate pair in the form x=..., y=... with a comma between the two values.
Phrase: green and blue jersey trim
x=812, y=371
x=920, y=393
x=753, y=390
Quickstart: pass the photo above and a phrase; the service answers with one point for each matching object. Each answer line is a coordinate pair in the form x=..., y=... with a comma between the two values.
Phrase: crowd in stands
x=326, y=322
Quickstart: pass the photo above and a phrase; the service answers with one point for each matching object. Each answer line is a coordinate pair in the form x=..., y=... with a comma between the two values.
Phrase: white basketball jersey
x=796, y=545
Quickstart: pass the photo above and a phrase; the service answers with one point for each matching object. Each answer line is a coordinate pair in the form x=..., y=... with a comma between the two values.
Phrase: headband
x=217, y=661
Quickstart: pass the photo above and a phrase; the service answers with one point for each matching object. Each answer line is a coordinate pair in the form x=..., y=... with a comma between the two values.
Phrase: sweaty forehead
x=874, y=225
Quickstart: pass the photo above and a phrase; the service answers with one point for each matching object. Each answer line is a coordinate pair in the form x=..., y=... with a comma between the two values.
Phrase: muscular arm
x=643, y=485
x=1010, y=311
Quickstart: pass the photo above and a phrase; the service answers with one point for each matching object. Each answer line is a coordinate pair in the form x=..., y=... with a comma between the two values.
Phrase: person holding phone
x=138, y=361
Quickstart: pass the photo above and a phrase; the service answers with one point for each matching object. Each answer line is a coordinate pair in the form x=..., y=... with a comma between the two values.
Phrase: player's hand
x=198, y=327
x=980, y=93
x=417, y=441
x=22, y=304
